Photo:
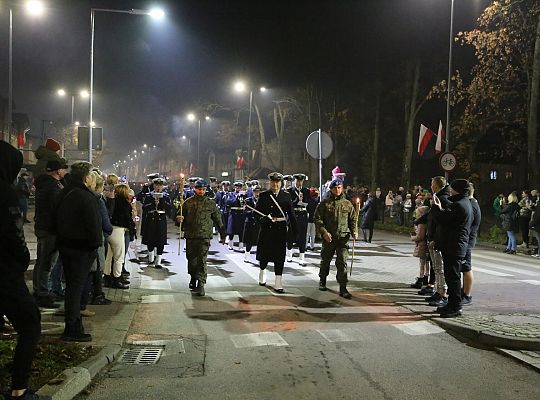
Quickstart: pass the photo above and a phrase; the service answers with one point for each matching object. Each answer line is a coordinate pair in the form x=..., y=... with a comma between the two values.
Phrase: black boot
x=322, y=284
x=107, y=280
x=425, y=280
x=117, y=284
x=417, y=284
x=192, y=283
x=124, y=270
x=343, y=292
x=199, y=290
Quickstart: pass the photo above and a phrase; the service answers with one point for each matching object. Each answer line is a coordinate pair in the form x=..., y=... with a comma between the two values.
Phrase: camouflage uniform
x=200, y=215
x=337, y=216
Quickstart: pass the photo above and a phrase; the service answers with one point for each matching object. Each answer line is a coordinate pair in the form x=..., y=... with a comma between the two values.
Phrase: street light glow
x=61, y=92
x=184, y=137
x=240, y=86
x=35, y=7
x=92, y=123
x=207, y=118
x=156, y=13
x=191, y=117
x=145, y=146
x=84, y=94
x=262, y=89
x=77, y=123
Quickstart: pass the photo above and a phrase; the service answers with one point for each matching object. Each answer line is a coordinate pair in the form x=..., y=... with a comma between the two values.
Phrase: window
x=493, y=175
x=211, y=162
x=509, y=175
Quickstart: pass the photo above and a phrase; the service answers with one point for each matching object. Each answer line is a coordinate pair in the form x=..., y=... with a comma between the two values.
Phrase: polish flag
x=425, y=136
x=440, y=138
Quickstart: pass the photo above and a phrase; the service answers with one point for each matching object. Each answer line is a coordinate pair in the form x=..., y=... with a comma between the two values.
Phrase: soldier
x=211, y=189
x=287, y=181
x=335, y=219
x=336, y=174
x=189, y=191
x=312, y=205
x=221, y=201
x=277, y=206
x=300, y=199
x=251, y=228
x=235, y=222
x=251, y=185
x=199, y=214
x=154, y=232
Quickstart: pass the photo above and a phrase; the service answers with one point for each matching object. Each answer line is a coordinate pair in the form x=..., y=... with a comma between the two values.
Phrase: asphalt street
x=243, y=341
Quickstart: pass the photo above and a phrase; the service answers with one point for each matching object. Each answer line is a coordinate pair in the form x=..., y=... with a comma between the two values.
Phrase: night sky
x=148, y=72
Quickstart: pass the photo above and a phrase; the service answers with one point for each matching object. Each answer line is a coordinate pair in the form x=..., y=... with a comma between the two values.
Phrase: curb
x=489, y=338
x=73, y=380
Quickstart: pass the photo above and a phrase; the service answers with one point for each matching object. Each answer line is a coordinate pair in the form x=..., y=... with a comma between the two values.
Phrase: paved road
x=243, y=341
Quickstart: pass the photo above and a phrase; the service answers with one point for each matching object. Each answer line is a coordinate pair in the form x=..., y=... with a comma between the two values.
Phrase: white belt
x=236, y=208
x=300, y=209
x=280, y=219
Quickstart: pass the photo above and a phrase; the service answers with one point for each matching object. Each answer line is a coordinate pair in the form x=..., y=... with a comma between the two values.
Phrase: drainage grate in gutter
x=144, y=355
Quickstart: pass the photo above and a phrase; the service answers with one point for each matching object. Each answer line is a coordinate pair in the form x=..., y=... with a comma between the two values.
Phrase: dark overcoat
x=369, y=213
x=154, y=228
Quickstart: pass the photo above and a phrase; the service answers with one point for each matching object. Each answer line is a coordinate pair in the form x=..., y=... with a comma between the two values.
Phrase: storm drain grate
x=144, y=355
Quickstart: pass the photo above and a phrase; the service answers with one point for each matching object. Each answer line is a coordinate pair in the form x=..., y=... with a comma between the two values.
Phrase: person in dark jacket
x=456, y=221
x=79, y=234
x=276, y=204
x=369, y=215
x=510, y=221
x=16, y=302
x=534, y=225
x=48, y=188
x=23, y=193
x=434, y=236
x=466, y=298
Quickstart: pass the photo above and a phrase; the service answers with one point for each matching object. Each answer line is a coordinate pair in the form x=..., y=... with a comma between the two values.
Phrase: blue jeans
x=511, y=241
x=56, y=277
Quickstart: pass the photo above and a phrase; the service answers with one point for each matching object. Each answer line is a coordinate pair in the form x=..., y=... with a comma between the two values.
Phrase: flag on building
x=423, y=140
x=440, y=138
x=21, y=137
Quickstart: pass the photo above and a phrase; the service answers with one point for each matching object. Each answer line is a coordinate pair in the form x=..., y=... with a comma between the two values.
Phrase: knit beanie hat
x=460, y=185
x=52, y=144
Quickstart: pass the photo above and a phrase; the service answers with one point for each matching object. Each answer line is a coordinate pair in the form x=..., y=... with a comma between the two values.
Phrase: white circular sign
x=448, y=161
x=312, y=145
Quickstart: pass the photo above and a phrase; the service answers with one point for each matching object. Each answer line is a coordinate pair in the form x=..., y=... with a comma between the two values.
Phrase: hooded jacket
x=15, y=255
x=43, y=155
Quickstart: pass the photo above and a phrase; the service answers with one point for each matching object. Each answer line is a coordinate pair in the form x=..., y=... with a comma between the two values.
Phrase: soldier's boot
x=343, y=292
x=240, y=246
x=322, y=284
x=157, y=263
x=192, y=283
x=246, y=256
x=302, y=261
x=278, y=287
x=151, y=255
x=200, y=289
x=289, y=255
x=230, y=243
x=262, y=277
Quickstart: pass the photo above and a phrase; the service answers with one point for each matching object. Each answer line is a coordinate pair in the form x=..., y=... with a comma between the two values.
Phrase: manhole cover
x=145, y=355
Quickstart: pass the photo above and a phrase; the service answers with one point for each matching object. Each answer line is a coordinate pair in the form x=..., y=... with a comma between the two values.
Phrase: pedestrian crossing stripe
x=532, y=282
x=418, y=328
x=258, y=339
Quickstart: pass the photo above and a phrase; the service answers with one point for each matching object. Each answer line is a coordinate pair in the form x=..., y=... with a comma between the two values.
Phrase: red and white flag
x=21, y=138
x=425, y=136
x=440, y=138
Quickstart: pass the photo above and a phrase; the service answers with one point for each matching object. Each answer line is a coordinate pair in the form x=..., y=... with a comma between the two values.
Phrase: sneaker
x=28, y=395
x=535, y=255
x=417, y=284
x=452, y=313
x=81, y=337
x=101, y=301
x=433, y=297
x=87, y=313
x=322, y=285
x=46, y=302
x=427, y=290
x=466, y=300
x=439, y=303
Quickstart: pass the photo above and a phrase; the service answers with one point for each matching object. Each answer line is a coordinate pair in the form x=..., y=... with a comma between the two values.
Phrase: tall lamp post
x=191, y=117
x=83, y=93
x=34, y=8
x=240, y=87
x=449, y=84
x=154, y=13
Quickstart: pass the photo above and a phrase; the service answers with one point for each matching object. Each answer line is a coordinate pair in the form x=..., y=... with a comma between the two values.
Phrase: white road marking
x=489, y=272
x=158, y=284
x=504, y=259
x=531, y=282
x=419, y=328
x=342, y=335
x=258, y=339
x=505, y=268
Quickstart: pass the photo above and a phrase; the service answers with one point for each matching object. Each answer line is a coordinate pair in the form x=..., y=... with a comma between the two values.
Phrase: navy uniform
x=300, y=198
x=188, y=192
x=221, y=201
x=147, y=188
x=276, y=205
x=287, y=181
x=211, y=189
x=251, y=228
x=235, y=222
x=156, y=205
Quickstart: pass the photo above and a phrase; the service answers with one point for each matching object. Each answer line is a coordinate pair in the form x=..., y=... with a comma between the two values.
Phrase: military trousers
x=338, y=246
x=196, y=254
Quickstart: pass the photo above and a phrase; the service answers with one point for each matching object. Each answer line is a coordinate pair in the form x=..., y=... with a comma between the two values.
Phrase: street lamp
x=154, y=13
x=241, y=87
x=449, y=85
x=191, y=117
x=83, y=93
x=33, y=8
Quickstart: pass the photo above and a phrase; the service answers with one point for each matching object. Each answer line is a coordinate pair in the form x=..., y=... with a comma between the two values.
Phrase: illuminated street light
x=92, y=124
x=84, y=94
x=157, y=13
x=145, y=146
x=240, y=87
x=35, y=7
x=191, y=117
x=184, y=137
x=77, y=123
x=134, y=151
x=61, y=92
x=207, y=118
x=262, y=89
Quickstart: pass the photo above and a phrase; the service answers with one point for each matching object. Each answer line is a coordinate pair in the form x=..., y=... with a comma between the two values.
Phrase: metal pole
x=10, y=78
x=92, y=15
x=249, y=131
x=320, y=164
x=449, y=85
x=72, y=107
x=198, y=144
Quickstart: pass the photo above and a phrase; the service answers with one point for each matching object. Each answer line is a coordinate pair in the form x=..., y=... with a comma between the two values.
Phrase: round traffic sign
x=448, y=161
x=312, y=145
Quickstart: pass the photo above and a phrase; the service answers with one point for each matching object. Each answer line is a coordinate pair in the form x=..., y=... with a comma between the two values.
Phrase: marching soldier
x=199, y=214
x=221, y=201
x=251, y=228
x=335, y=219
x=235, y=223
x=189, y=191
x=251, y=185
x=312, y=205
x=287, y=181
x=212, y=188
x=275, y=217
x=154, y=229
x=300, y=199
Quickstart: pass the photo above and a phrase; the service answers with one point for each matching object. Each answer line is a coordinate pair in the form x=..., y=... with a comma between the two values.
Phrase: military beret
x=200, y=183
x=336, y=182
x=275, y=176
